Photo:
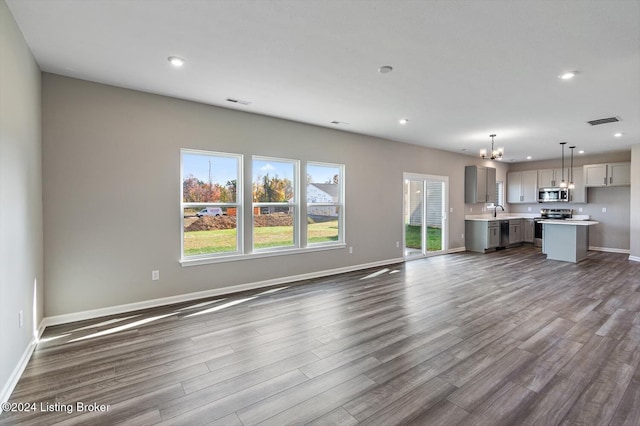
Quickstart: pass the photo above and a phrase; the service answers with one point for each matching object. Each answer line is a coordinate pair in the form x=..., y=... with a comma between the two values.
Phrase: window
x=325, y=197
x=275, y=203
x=499, y=195
x=220, y=224
x=211, y=203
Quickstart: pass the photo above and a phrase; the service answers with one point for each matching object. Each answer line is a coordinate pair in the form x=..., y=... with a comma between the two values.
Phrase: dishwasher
x=504, y=233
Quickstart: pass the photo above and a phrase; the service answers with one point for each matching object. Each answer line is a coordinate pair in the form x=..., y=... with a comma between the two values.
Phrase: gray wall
x=613, y=230
x=20, y=196
x=111, y=192
x=635, y=203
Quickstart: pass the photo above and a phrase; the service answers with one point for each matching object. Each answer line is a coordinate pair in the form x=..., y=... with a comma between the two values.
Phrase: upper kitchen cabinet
x=522, y=187
x=551, y=178
x=610, y=174
x=479, y=184
x=579, y=193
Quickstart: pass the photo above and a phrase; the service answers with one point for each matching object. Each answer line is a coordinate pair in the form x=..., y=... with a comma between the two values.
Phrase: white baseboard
x=634, y=258
x=119, y=309
x=7, y=389
x=609, y=250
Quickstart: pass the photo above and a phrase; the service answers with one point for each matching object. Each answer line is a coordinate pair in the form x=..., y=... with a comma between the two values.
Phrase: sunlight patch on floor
x=121, y=327
x=220, y=307
x=375, y=274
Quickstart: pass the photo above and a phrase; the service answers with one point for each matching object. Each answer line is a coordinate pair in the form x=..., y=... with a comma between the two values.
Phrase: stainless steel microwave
x=553, y=195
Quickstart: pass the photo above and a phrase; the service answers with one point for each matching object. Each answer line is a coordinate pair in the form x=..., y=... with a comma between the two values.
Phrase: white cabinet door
x=619, y=174
x=530, y=186
x=514, y=187
x=612, y=174
x=528, y=230
x=515, y=231
x=493, y=236
x=546, y=178
x=492, y=194
x=522, y=187
x=595, y=175
x=579, y=193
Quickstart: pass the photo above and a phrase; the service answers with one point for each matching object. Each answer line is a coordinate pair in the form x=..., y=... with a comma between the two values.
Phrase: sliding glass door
x=425, y=218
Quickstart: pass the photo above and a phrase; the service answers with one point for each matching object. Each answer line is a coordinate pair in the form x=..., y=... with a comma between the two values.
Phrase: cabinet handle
x=611, y=179
x=605, y=180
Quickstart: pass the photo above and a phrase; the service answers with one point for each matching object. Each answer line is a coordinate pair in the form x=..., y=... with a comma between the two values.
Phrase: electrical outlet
x=528, y=209
x=462, y=236
x=20, y=318
x=604, y=210
x=155, y=275
x=397, y=244
x=470, y=209
x=450, y=209
x=580, y=209
x=350, y=250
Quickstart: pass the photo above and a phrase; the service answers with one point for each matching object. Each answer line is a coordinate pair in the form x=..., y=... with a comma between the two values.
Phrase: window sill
x=258, y=255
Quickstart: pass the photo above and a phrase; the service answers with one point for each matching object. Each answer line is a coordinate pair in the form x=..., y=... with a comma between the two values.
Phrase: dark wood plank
x=502, y=338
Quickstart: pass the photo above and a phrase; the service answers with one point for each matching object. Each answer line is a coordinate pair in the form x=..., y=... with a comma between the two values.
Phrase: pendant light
x=563, y=183
x=571, y=184
x=495, y=154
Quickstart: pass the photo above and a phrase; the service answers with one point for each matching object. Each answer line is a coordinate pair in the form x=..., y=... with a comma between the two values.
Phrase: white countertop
x=570, y=222
x=507, y=216
x=489, y=217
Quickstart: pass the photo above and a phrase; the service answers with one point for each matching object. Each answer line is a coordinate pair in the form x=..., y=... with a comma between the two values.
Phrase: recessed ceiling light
x=385, y=69
x=568, y=75
x=528, y=157
x=581, y=152
x=176, y=61
x=404, y=121
x=617, y=135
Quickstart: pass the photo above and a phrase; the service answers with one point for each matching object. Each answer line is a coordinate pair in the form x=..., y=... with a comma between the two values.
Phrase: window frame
x=340, y=204
x=499, y=195
x=238, y=205
x=244, y=201
x=295, y=205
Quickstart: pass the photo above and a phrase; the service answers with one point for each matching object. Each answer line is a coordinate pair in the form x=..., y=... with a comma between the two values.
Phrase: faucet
x=495, y=212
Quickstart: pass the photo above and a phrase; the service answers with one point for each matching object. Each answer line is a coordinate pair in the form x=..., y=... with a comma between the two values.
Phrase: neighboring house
x=322, y=193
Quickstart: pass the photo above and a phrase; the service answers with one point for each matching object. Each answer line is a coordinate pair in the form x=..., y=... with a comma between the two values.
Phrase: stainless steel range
x=558, y=214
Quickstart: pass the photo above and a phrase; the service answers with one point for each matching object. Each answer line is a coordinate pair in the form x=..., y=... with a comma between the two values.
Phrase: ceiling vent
x=238, y=101
x=604, y=121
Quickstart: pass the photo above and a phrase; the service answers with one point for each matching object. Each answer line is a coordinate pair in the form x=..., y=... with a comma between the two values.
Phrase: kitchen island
x=566, y=240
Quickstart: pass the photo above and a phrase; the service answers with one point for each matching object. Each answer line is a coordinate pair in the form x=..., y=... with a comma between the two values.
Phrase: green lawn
x=413, y=237
x=220, y=241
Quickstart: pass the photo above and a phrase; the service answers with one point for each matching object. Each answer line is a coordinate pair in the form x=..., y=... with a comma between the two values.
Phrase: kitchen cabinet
x=522, y=187
x=579, y=193
x=609, y=174
x=551, y=178
x=528, y=230
x=482, y=235
x=515, y=231
x=479, y=184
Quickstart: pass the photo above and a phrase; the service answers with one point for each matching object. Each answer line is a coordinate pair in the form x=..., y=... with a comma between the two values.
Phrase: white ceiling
x=461, y=69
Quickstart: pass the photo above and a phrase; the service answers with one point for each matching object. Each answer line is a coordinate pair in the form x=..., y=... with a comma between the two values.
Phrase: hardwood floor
x=461, y=339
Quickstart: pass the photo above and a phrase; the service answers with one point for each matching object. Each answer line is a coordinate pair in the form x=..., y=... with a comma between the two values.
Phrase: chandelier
x=496, y=154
